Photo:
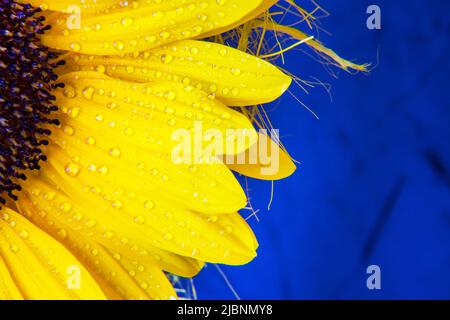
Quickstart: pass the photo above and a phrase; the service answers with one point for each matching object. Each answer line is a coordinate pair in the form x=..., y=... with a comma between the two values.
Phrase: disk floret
x=26, y=80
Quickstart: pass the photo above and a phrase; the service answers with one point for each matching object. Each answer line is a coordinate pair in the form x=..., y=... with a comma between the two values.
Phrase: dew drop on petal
x=72, y=169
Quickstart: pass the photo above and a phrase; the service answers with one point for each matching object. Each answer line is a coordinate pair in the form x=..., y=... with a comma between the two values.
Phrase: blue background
x=373, y=184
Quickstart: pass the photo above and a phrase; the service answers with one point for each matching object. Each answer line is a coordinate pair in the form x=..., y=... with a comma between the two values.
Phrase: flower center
x=26, y=79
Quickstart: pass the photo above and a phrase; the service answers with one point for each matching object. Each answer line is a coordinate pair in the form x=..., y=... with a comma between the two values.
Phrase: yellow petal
x=119, y=276
x=134, y=228
x=263, y=6
x=233, y=76
x=124, y=181
x=146, y=24
x=8, y=289
x=40, y=267
x=73, y=6
x=270, y=162
x=120, y=131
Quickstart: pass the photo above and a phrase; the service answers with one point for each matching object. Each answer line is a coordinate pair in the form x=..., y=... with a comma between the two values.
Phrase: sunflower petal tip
x=252, y=254
x=288, y=81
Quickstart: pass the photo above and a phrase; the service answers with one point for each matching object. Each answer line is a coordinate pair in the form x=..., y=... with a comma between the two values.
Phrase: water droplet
x=129, y=131
x=90, y=223
x=69, y=130
x=226, y=115
x=139, y=219
x=90, y=141
x=117, y=204
x=108, y=235
x=75, y=46
x=213, y=219
x=157, y=15
x=227, y=230
x=103, y=170
x=127, y=22
x=149, y=204
x=100, y=69
x=144, y=285
x=69, y=91
x=73, y=113
x=23, y=234
x=236, y=71
x=198, y=29
x=119, y=45
x=62, y=233
x=166, y=58
x=88, y=92
x=114, y=152
x=72, y=169
x=49, y=195
x=65, y=206
x=168, y=236
x=170, y=95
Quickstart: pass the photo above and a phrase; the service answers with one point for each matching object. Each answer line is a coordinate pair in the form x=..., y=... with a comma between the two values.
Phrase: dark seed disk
x=26, y=80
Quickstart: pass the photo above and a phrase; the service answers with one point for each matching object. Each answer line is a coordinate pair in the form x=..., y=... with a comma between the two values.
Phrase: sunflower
x=93, y=206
